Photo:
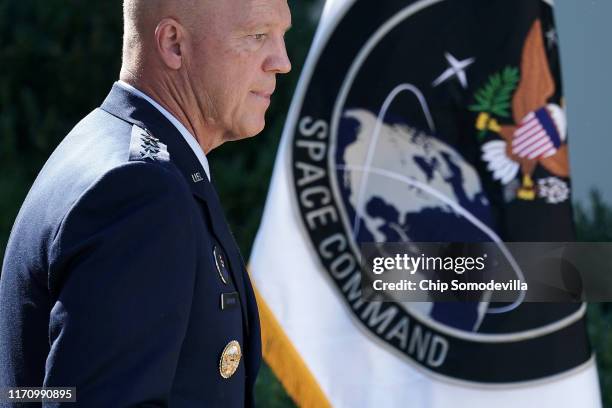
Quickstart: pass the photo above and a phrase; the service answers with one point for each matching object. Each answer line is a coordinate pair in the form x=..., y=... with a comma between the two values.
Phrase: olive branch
x=495, y=96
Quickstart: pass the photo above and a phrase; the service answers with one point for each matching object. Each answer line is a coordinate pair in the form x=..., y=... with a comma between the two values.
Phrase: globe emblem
x=401, y=184
x=408, y=187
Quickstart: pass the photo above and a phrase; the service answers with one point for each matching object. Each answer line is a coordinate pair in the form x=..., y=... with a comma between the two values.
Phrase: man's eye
x=258, y=37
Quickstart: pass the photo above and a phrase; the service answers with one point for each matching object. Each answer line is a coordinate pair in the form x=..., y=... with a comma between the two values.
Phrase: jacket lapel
x=225, y=237
x=133, y=109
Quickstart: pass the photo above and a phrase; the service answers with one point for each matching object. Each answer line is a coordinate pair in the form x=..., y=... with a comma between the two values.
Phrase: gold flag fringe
x=284, y=360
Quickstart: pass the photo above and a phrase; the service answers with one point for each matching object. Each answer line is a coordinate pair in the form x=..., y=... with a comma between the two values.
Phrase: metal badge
x=230, y=359
x=197, y=177
x=221, y=265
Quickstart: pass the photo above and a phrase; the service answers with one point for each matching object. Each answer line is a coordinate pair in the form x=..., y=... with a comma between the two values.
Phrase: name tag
x=229, y=300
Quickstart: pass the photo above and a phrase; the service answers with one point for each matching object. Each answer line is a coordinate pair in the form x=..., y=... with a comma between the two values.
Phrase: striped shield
x=538, y=135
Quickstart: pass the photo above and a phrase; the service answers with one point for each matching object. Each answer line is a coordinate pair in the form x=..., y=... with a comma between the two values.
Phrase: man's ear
x=169, y=40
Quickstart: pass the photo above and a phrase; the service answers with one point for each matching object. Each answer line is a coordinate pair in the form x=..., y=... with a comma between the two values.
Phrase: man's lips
x=263, y=94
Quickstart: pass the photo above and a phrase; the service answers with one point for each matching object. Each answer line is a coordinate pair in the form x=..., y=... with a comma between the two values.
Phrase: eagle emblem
x=538, y=136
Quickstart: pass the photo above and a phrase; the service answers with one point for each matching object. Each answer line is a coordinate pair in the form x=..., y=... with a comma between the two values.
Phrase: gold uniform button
x=230, y=359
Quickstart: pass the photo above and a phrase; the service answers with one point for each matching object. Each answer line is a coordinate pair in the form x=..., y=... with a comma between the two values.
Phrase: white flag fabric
x=371, y=152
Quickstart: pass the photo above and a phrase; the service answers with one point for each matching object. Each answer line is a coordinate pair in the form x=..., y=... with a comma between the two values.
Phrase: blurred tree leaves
x=59, y=59
x=594, y=224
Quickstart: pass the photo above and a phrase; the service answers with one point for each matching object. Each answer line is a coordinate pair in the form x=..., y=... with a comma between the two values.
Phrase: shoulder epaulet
x=143, y=145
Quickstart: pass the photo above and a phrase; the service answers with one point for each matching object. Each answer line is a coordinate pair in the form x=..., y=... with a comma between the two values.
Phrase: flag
x=420, y=121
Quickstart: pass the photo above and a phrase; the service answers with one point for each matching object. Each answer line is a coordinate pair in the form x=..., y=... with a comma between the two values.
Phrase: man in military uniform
x=121, y=277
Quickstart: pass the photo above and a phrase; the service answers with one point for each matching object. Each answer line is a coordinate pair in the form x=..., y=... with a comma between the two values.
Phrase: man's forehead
x=238, y=15
x=256, y=12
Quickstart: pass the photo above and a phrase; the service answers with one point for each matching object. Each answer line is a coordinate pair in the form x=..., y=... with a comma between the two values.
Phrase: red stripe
x=519, y=139
x=527, y=118
x=527, y=126
x=531, y=143
x=532, y=147
x=540, y=151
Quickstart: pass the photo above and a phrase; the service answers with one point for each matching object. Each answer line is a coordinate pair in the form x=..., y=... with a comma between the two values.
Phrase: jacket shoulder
x=145, y=146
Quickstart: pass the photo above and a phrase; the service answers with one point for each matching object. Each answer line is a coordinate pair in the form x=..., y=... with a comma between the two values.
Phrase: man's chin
x=253, y=130
x=246, y=132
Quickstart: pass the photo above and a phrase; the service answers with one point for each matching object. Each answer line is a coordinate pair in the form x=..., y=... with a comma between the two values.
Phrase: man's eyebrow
x=253, y=24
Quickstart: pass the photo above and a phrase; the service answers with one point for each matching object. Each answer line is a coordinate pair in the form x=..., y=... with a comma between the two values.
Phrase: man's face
x=237, y=49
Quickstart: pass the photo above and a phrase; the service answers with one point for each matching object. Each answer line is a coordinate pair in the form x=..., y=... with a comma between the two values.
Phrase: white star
x=457, y=69
x=147, y=155
x=551, y=36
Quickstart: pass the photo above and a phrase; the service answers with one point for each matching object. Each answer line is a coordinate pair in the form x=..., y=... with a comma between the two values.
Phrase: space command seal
x=457, y=137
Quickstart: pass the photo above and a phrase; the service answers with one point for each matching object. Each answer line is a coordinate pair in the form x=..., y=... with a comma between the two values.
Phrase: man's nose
x=278, y=60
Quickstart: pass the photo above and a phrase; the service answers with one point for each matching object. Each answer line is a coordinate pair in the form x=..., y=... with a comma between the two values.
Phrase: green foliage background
x=58, y=60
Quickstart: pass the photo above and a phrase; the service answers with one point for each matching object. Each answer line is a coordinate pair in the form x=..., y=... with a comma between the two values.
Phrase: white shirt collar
x=189, y=138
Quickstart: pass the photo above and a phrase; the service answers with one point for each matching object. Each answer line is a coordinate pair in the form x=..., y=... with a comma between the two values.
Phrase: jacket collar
x=133, y=109
x=191, y=140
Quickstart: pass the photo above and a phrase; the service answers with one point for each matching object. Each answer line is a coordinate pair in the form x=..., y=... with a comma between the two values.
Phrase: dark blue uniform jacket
x=109, y=283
